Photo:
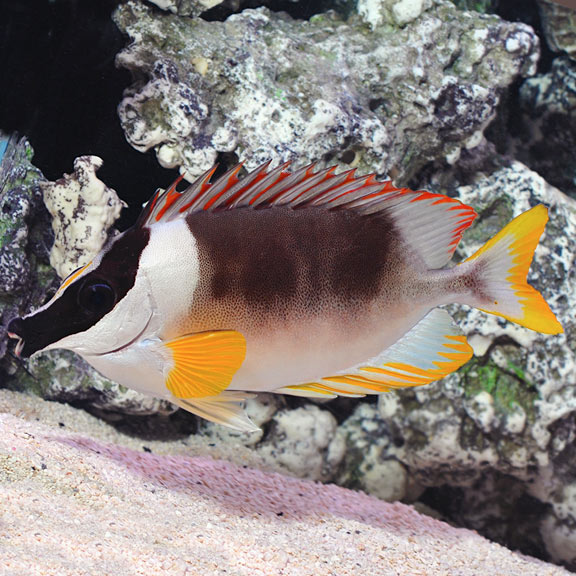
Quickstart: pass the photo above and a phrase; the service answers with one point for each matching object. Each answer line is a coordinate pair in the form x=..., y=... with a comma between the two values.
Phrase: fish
x=304, y=282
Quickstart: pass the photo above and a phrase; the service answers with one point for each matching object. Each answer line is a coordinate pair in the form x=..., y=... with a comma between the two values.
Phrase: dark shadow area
x=299, y=10
x=60, y=88
x=165, y=427
x=515, y=518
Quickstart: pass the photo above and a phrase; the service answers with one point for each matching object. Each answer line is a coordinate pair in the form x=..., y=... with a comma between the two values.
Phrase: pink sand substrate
x=71, y=505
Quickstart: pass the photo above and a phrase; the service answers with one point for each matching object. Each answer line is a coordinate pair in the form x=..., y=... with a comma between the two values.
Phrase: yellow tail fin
x=502, y=265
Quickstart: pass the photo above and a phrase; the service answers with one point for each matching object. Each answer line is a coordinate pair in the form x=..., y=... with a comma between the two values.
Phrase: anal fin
x=431, y=350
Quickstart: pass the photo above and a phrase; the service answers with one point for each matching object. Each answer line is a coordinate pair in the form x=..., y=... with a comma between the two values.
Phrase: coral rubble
x=266, y=87
x=83, y=210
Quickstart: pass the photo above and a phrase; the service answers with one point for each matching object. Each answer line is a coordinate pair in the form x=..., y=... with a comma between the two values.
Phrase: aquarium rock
x=187, y=7
x=261, y=86
x=542, y=129
x=305, y=443
x=545, y=137
x=394, y=12
x=83, y=210
x=25, y=274
x=17, y=202
x=482, y=6
x=507, y=418
x=559, y=27
x=63, y=376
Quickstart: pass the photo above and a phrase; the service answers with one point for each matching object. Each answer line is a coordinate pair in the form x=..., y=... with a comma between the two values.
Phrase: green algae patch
x=509, y=387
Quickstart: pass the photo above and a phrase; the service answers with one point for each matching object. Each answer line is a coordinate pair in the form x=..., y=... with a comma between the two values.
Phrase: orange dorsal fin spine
x=170, y=196
x=416, y=213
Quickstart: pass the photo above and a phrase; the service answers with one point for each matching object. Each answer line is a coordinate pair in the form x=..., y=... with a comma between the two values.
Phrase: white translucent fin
x=434, y=348
x=500, y=268
x=228, y=409
x=307, y=391
x=431, y=223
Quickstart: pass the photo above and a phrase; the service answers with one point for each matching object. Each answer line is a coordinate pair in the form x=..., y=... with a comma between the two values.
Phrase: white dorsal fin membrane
x=343, y=196
x=242, y=193
x=236, y=193
x=286, y=188
x=253, y=193
x=432, y=224
x=301, y=197
x=150, y=212
x=196, y=197
x=378, y=201
x=221, y=190
x=166, y=206
x=283, y=186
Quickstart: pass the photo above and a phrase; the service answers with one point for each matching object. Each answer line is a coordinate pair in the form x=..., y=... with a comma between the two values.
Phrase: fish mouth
x=15, y=326
x=19, y=345
x=30, y=339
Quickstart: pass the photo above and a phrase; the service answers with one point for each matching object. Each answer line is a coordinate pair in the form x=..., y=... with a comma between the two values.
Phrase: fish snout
x=16, y=328
x=16, y=331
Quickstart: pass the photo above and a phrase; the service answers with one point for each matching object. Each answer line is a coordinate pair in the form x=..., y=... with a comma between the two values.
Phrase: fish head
x=100, y=308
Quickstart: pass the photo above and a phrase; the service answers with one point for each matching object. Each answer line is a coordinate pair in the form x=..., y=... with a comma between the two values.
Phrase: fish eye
x=96, y=296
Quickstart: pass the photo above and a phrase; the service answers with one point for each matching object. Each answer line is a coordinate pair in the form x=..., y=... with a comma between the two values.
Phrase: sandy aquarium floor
x=77, y=498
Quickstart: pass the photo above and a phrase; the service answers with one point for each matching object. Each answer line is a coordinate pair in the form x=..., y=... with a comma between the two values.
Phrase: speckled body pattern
x=280, y=264
x=312, y=291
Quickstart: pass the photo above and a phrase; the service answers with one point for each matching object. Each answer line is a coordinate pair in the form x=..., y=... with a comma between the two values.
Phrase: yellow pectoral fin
x=204, y=363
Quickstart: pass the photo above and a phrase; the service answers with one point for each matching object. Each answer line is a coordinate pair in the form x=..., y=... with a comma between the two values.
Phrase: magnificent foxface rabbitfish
x=306, y=283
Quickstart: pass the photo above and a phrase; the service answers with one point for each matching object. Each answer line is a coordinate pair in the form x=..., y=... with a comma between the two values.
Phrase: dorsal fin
x=431, y=223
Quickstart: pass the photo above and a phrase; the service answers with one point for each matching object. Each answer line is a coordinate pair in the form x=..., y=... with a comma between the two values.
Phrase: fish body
x=306, y=283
